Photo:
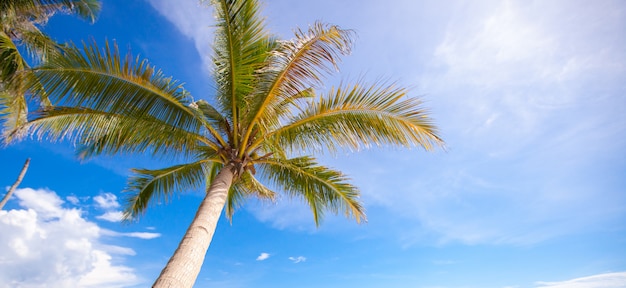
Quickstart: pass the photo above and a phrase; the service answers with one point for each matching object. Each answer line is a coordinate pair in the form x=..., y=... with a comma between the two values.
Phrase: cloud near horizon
x=606, y=280
x=45, y=244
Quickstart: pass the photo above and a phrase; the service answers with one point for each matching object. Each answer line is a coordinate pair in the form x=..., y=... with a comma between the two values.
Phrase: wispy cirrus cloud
x=511, y=89
x=606, y=280
x=193, y=19
x=140, y=235
x=298, y=259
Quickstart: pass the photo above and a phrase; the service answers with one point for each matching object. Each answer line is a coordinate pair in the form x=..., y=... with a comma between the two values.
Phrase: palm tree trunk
x=6, y=197
x=182, y=269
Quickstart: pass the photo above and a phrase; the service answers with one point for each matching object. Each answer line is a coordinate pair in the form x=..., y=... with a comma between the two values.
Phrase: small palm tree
x=19, y=27
x=254, y=139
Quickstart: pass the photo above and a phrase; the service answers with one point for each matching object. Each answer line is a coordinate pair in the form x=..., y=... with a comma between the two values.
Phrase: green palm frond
x=12, y=113
x=86, y=9
x=214, y=119
x=39, y=45
x=104, y=80
x=294, y=67
x=40, y=10
x=240, y=48
x=13, y=106
x=246, y=186
x=11, y=61
x=321, y=187
x=98, y=132
x=359, y=116
x=148, y=186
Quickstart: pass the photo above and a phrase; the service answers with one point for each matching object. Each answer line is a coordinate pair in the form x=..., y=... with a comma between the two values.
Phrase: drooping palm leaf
x=148, y=186
x=97, y=132
x=322, y=188
x=247, y=186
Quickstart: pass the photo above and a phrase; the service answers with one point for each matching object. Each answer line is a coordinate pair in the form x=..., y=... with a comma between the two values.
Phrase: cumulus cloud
x=607, y=280
x=108, y=202
x=44, y=244
x=297, y=259
x=263, y=256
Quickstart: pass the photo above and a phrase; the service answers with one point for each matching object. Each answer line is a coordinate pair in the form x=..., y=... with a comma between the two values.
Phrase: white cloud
x=104, y=274
x=193, y=20
x=263, y=256
x=140, y=235
x=297, y=259
x=46, y=245
x=285, y=213
x=111, y=216
x=73, y=199
x=119, y=250
x=607, y=280
x=106, y=201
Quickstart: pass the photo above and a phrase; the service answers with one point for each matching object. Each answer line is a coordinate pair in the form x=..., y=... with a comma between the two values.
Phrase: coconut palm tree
x=17, y=182
x=20, y=22
x=253, y=139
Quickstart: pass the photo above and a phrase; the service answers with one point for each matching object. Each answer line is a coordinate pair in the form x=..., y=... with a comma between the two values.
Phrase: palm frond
x=359, y=116
x=240, y=48
x=104, y=80
x=98, y=132
x=11, y=61
x=294, y=67
x=39, y=45
x=216, y=122
x=321, y=187
x=39, y=11
x=148, y=186
x=12, y=114
x=246, y=186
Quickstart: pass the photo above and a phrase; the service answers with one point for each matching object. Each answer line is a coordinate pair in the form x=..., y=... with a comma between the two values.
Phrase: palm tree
x=17, y=182
x=19, y=27
x=254, y=139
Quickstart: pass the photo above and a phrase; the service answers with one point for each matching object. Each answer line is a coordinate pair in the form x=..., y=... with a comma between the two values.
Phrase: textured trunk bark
x=182, y=269
x=17, y=183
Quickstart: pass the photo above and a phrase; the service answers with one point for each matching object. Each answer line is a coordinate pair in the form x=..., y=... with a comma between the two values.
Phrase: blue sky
x=529, y=96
